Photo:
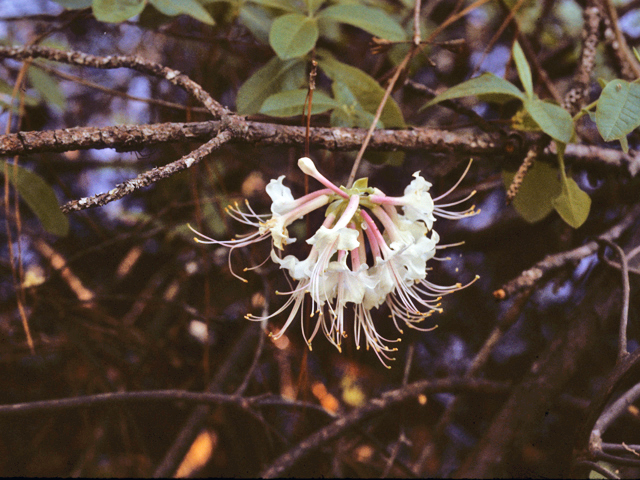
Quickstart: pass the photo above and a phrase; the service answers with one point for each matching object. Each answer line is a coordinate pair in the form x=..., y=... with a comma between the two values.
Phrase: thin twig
x=144, y=396
x=387, y=400
x=618, y=408
x=374, y=123
x=191, y=427
x=118, y=61
x=623, y=352
x=596, y=467
x=116, y=93
x=261, y=340
x=399, y=69
x=147, y=178
x=629, y=66
x=550, y=263
x=482, y=357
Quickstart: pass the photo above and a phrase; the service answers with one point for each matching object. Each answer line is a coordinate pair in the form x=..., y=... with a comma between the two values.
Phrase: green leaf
x=257, y=20
x=366, y=91
x=211, y=216
x=572, y=204
x=349, y=112
x=524, y=122
x=618, y=111
x=361, y=184
x=393, y=159
x=540, y=185
x=40, y=198
x=47, y=87
x=7, y=90
x=486, y=84
x=554, y=120
x=115, y=11
x=74, y=4
x=352, y=116
x=293, y=35
x=524, y=71
x=279, y=4
x=291, y=103
x=371, y=20
x=188, y=7
x=265, y=82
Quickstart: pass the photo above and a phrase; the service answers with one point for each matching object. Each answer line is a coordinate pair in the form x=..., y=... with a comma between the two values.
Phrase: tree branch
x=387, y=400
x=550, y=263
x=118, y=61
x=147, y=178
x=429, y=140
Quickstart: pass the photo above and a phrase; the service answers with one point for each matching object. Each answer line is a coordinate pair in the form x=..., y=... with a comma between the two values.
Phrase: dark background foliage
x=123, y=314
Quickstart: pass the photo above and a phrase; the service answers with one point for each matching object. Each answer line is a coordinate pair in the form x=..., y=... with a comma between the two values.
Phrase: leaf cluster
x=545, y=188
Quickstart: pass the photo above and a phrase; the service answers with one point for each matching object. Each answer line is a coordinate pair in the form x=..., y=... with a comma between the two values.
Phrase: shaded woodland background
x=127, y=306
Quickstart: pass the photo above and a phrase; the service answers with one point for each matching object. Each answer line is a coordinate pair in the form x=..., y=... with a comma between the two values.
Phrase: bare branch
x=147, y=178
x=574, y=99
x=626, y=292
x=550, y=263
x=596, y=467
x=387, y=400
x=428, y=140
x=118, y=61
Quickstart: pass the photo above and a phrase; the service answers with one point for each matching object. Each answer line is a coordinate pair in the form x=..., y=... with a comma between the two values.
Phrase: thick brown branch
x=254, y=133
x=122, y=137
x=128, y=137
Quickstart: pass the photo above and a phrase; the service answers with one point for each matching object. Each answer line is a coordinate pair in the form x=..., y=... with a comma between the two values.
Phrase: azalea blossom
x=371, y=250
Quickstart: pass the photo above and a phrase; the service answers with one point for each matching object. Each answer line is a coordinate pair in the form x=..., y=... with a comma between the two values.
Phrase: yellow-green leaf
x=187, y=7
x=572, y=204
x=366, y=91
x=74, y=4
x=115, y=11
x=524, y=71
x=313, y=5
x=371, y=20
x=293, y=35
x=257, y=20
x=266, y=81
x=618, y=111
x=554, y=120
x=486, y=84
x=291, y=103
x=47, y=87
x=540, y=185
x=279, y=4
x=40, y=198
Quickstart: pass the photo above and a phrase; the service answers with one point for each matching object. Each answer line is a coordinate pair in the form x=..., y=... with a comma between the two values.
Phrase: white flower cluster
x=340, y=273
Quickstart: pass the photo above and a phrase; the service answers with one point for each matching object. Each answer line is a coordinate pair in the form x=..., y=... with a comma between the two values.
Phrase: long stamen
x=464, y=174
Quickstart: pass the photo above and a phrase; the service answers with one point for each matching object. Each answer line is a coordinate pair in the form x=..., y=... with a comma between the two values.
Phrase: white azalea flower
x=283, y=201
x=344, y=288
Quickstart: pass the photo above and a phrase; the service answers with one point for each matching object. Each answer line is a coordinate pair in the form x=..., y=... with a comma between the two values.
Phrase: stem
x=414, y=49
x=365, y=144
